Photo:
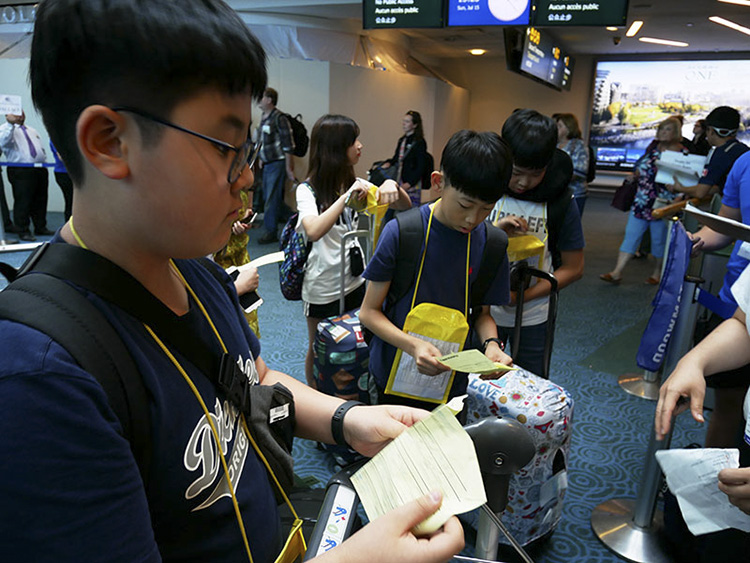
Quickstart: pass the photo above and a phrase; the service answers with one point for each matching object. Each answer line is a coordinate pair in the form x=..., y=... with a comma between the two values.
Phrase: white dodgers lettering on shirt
x=201, y=453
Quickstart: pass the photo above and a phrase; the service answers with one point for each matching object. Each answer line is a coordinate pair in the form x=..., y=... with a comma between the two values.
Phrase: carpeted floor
x=598, y=330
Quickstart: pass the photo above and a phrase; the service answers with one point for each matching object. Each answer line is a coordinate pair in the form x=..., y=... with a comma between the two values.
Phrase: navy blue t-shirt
x=70, y=487
x=716, y=170
x=443, y=282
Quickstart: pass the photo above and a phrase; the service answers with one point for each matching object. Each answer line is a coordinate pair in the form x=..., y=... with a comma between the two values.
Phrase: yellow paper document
x=434, y=454
x=472, y=361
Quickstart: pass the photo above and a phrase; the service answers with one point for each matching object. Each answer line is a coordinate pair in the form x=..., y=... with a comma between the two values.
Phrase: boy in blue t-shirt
x=475, y=170
x=149, y=104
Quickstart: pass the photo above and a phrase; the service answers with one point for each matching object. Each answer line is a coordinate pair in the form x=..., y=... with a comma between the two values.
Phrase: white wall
x=14, y=80
x=496, y=91
x=378, y=100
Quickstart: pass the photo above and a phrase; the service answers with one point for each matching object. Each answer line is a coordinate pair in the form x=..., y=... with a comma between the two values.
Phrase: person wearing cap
x=721, y=133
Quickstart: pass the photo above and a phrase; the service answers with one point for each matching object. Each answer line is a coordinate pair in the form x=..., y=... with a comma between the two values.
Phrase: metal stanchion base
x=612, y=522
x=636, y=384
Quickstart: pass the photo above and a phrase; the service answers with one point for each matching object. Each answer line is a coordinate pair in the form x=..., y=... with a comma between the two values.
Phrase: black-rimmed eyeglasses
x=246, y=155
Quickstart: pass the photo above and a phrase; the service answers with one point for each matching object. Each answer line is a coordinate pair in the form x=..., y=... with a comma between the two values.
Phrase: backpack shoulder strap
x=78, y=326
x=410, y=235
x=495, y=251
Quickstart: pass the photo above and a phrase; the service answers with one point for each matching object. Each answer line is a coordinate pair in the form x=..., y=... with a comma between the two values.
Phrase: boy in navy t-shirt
x=149, y=104
x=475, y=170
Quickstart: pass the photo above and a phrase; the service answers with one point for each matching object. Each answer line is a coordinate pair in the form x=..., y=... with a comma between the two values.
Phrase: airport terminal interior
x=322, y=60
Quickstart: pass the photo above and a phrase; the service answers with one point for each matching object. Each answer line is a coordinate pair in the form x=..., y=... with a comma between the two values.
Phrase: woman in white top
x=324, y=218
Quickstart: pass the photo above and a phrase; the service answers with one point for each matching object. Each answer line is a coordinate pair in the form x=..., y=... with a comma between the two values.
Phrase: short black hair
x=149, y=54
x=477, y=164
x=532, y=138
x=273, y=94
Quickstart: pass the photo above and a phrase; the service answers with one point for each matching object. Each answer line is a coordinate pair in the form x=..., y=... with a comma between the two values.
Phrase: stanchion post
x=632, y=528
x=646, y=385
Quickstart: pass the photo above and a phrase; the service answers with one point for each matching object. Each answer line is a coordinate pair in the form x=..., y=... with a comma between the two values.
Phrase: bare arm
x=706, y=239
x=316, y=226
x=727, y=347
x=486, y=328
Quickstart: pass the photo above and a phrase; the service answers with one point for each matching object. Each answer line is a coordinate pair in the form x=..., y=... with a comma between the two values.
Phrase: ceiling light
x=738, y=2
x=634, y=28
x=730, y=24
x=611, y=28
x=477, y=52
x=663, y=42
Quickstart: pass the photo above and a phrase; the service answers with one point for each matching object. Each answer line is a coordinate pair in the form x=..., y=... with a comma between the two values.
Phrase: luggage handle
x=525, y=272
x=364, y=233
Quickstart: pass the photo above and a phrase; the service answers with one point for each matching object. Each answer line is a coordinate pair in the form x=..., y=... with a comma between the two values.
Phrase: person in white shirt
x=22, y=146
x=726, y=348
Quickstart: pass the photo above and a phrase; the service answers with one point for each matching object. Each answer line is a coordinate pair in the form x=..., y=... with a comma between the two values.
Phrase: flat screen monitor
x=631, y=98
x=400, y=14
x=489, y=12
x=599, y=13
x=535, y=54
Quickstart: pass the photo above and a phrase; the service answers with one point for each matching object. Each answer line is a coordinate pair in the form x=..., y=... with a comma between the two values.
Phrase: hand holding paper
x=434, y=454
x=473, y=361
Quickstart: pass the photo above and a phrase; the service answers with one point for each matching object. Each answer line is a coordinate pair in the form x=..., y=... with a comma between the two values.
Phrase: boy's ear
x=99, y=133
x=437, y=181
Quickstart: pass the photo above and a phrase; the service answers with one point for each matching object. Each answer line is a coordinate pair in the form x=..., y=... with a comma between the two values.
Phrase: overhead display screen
x=489, y=12
x=600, y=13
x=541, y=58
x=384, y=14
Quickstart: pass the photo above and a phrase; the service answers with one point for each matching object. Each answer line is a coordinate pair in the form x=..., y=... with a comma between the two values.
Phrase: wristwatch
x=337, y=422
x=496, y=340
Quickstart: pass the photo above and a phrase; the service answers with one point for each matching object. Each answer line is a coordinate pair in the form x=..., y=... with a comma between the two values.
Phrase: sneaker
x=44, y=232
x=268, y=238
x=27, y=236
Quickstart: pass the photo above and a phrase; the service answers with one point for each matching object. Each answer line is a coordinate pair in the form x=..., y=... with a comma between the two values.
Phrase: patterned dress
x=649, y=190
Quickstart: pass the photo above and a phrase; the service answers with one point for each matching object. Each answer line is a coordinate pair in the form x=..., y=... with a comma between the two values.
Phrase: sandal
x=609, y=278
x=651, y=280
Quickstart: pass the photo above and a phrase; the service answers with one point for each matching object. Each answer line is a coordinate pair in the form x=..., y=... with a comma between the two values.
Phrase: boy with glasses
x=153, y=130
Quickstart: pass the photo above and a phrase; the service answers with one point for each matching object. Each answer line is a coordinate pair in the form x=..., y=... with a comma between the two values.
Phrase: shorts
x=353, y=300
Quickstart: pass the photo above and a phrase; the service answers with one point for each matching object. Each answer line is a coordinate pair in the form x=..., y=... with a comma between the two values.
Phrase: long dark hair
x=416, y=119
x=330, y=171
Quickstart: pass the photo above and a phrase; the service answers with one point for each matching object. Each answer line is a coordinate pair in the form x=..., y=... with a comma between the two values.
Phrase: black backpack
x=411, y=235
x=591, y=174
x=299, y=134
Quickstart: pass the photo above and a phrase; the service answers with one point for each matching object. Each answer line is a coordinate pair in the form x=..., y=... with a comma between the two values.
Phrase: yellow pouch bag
x=369, y=206
x=443, y=327
x=526, y=247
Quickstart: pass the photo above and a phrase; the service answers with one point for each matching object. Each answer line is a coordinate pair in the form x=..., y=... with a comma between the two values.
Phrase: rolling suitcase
x=341, y=357
x=340, y=354
x=537, y=491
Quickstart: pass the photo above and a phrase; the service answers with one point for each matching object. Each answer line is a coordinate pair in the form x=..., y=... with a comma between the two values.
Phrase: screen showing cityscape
x=631, y=98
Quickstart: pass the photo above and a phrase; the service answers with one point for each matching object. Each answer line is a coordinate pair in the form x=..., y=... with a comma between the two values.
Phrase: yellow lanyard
x=424, y=253
x=295, y=544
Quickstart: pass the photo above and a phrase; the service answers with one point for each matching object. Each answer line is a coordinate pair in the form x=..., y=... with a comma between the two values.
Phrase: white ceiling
x=683, y=20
